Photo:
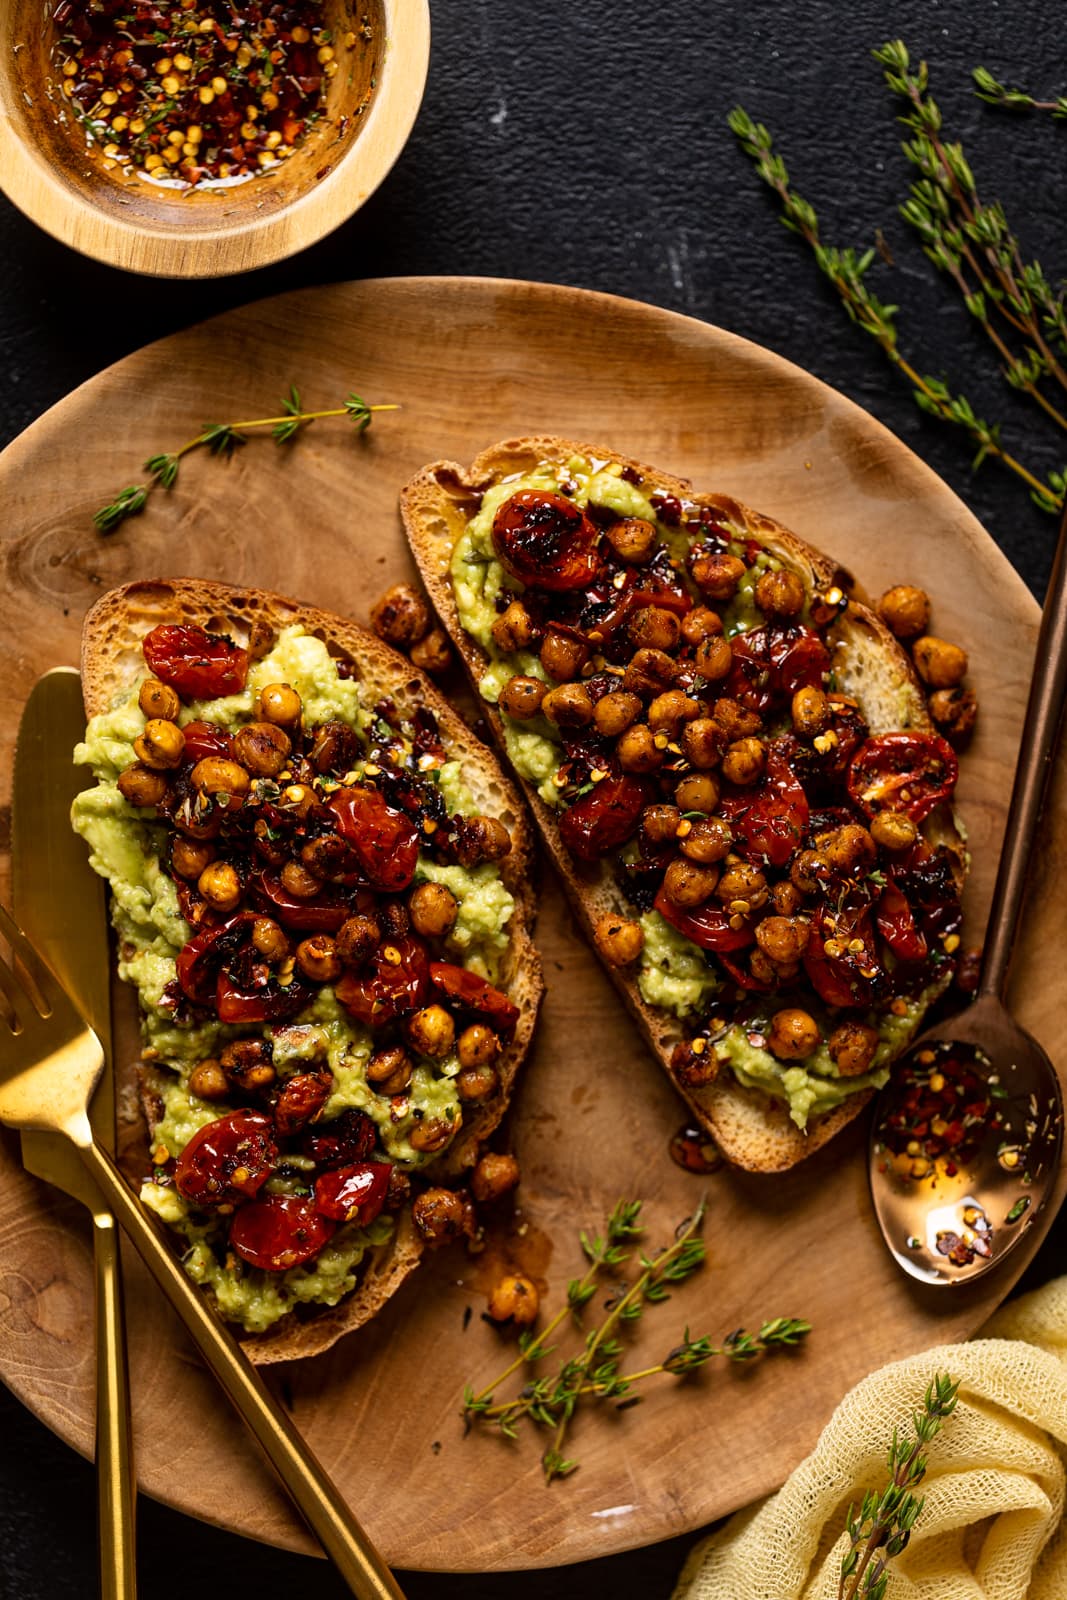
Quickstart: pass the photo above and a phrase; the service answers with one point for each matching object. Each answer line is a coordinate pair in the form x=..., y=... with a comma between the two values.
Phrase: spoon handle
x=1044, y=710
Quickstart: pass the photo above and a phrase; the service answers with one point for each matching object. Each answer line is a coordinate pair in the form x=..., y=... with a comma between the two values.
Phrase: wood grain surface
x=471, y=361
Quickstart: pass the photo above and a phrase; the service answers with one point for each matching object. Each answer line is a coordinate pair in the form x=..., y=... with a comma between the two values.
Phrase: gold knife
x=60, y=903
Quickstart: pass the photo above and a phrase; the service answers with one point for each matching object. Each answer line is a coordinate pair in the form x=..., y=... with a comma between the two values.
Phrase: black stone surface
x=586, y=144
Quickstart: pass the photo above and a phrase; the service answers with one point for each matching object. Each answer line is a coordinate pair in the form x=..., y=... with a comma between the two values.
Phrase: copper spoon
x=947, y=1227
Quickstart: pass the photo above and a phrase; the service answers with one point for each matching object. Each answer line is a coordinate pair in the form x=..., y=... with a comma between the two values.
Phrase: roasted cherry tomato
x=205, y=739
x=843, y=975
x=344, y=1139
x=605, y=818
x=546, y=541
x=280, y=1232
x=772, y=662
x=353, y=1194
x=200, y=665
x=472, y=993
x=323, y=913
x=897, y=926
x=708, y=925
x=772, y=818
x=909, y=772
x=227, y=1161
x=200, y=961
x=301, y=1099
x=269, y=1001
x=395, y=980
x=385, y=840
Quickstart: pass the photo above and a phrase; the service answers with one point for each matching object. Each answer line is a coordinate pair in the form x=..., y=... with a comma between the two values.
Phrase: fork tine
x=11, y=993
x=40, y=974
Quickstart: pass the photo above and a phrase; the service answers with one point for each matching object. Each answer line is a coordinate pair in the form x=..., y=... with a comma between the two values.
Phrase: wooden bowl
x=58, y=180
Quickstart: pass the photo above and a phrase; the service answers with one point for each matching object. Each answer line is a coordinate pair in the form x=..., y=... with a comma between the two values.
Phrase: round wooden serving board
x=473, y=361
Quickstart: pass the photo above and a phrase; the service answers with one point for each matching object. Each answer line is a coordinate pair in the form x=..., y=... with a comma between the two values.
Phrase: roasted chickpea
x=637, y=750
x=279, y=703
x=432, y=654
x=701, y=623
x=568, y=706
x=809, y=870
x=220, y=885
x=633, y=540
x=703, y=743
x=401, y=616
x=432, y=1032
x=563, y=657
x=334, y=748
x=269, y=940
x=717, y=576
x=159, y=700
x=298, y=881
x=764, y=970
x=700, y=792
x=217, y=775
x=261, y=640
x=480, y=839
x=208, y=1081
x=432, y=1134
x=394, y=919
x=783, y=940
x=742, y=885
x=736, y=720
x=327, y=857
x=811, y=712
x=298, y=799
x=513, y=629
x=247, y=1063
x=477, y=1083
x=694, y=1068
x=618, y=939
x=189, y=857
x=714, y=658
x=905, y=610
x=685, y=883
x=317, y=958
x=655, y=628
x=852, y=1046
x=848, y=847
x=494, y=1176
x=301, y=1101
x=514, y=1299
x=669, y=710
x=389, y=1070
x=940, y=664
x=893, y=830
x=521, y=697
x=707, y=841
x=780, y=594
x=744, y=761
x=477, y=1046
x=262, y=748
x=794, y=1034
x=140, y=786
x=955, y=711
x=614, y=712
x=356, y=938
x=649, y=672
x=659, y=823
x=433, y=909
x=439, y=1215
x=786, y=898
x=161, y=745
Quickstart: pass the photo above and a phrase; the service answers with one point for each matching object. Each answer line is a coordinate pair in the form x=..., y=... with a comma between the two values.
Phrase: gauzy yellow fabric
x=991, y=1527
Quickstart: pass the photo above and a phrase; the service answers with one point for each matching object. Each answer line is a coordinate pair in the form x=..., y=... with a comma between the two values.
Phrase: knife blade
x=60, y=903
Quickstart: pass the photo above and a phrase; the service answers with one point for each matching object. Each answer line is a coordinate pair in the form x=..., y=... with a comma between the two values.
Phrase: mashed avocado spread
x=127, y=846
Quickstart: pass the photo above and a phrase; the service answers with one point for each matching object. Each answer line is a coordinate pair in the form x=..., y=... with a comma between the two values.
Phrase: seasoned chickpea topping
x=477, y=1046
x=905, y=610
x=513, y=629
x=614, y=712
x=783, y=940
x=893, y=830
x=648, y=672
x=786, y=898
x=714, y=658
x=701, y=623
x=637, y=750
x=401, y=616
x=317, y=958
x=659, y=823
x=356, y=938
x=735, y=720
x=955, y=711
x=328, y=857
x=140, y=786
x=521, y=697
x=189, y=857
x=669, y=710
x=389, y=1070
x=563, y=657
x=439, y=1215
x=686, y=883
x=298, y=798
x=433, y=910
x=477, y=1083
x=693, y=1064
x=568, y=706
x=655, y=628
x=794, y=1034
x=811, y=712
x=700, y=792
x=208, y=1081
x=485, y=839
x=940, y=664
x=262, y=748
x=718, y=576
x=494, y=1176
x=809, y=870
x=217, y=775
x=848, y=847
x=514, y=1299
x=432, y=654
x=161, y=745
x=279, y=703
x=269, y=940
x=247, y=1063
x=433, y=1133
x=432, y=1032
x=158, y=700
x=619, y=940
x=708, y=841
x=744, y=761
x=852, y=1046
x=220, y=885
x=744, y=884
x=780, y=594
x=632, y=540
x=298, y=881
x=703, y=743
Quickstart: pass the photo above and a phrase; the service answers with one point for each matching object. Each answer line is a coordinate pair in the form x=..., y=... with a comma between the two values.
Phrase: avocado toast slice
x=633, y=533
x=319, y=902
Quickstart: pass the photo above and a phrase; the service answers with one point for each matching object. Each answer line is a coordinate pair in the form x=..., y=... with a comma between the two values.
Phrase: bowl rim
x=31, y=183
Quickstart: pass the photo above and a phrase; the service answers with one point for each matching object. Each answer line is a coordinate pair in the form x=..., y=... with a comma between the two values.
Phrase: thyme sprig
x=550, y=1401
x=846, y=270
x=882, y=1527
x=223, y=439
x=997, y=94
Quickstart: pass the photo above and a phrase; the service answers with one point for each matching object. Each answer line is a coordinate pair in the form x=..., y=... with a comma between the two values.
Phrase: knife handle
x=313, y=1492
x=116, y=1488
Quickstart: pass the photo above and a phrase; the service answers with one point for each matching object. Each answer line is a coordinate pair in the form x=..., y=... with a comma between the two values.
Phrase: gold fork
x=50, y=1061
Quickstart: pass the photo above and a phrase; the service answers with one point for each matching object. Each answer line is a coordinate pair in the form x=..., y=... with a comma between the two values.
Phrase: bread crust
x=111, y=661
x=751, y=1129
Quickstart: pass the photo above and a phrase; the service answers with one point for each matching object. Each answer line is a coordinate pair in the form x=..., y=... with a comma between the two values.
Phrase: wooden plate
x=472, y=361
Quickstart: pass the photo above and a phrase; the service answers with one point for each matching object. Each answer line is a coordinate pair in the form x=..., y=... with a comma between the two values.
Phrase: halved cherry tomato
x=200, y=665
x=340, y=1141
x=280, y=1232
x=395, y=980
x=227, y=1161
x=708, y=925
x=385, y=840
x=205, y=739
x=469, y=991
x=269, y=1001
x=843, y=976
x=772, y=818
x=323, y=913
x=546, y=541
x=200, y=960
x=351, y=1194
x=771, y=663
x=909, y=772
x=897, y=926
x=301, y=1099
x=605, y=818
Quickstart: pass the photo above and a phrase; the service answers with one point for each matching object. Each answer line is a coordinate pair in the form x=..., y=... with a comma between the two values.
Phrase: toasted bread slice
x=111, y=662
x=752, y=1130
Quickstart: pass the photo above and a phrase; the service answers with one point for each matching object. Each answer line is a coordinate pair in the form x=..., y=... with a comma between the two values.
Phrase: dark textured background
x=586, y=144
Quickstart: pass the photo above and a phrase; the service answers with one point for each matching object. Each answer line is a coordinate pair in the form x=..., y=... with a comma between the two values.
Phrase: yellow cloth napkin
x=991, y=1527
